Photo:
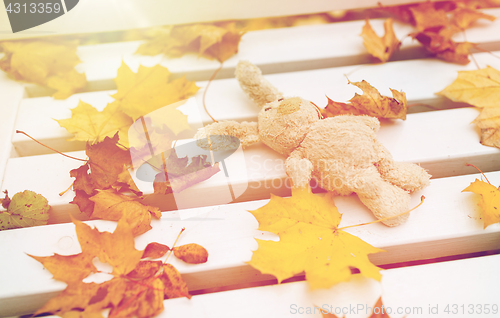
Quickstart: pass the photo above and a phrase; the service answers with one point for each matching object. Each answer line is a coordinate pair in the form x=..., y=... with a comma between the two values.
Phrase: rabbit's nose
x=289, y=105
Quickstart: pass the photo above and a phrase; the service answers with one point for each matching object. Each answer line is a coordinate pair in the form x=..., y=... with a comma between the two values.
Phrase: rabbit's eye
x=281, y=99
x=267, y=108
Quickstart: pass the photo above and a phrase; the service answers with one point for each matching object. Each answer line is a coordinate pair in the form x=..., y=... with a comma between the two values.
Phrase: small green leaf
x=25, y=209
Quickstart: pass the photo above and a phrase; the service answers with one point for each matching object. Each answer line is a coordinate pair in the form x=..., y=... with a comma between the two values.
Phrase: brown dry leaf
x=310, y=241
x=370, y=103
x=380, y=47
x=173, y=282
x=155, y=250
x=440, y=43
x=107, y=161
x=44, y=62
x=214, y=41
x=490, y=201
x=89, y=124
x=426, y=16
x=480, y=88
x=150, y=89
x=191, y=253
x=489, y=123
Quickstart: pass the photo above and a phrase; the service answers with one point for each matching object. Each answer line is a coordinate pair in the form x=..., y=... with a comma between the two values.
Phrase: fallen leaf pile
x=490, y=201
x=44, y=62
x=436, y=24
x=370, y=103
x=217, y=41
x=310, y=241
x=137, y=94
x=480, y=88
x=138, y=283
x=24, y=209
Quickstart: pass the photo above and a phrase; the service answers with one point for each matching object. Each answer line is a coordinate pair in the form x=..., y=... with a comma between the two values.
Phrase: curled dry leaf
x=371, y=103
x=489, y=123
x=191, y=253
x=25, y=209
x=310, y=241
x=490, y=201
x=44, y=62
x=380, y=47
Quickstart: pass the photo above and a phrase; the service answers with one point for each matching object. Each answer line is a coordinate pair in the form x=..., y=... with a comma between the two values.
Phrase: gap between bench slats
x=448, y=223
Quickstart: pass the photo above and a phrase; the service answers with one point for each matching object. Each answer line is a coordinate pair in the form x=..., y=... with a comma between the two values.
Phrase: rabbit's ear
x=246, y=132
x=255, y=85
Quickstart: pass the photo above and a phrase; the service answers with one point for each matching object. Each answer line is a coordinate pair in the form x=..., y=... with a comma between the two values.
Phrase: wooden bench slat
x=448, y=223
x=416, y=291
x=225, y=100
x=446, y=143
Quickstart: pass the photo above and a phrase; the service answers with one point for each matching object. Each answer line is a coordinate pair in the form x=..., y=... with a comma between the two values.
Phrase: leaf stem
x=471, y=165
x=22, y=132
x=173, y=246
x=206, y=89
x=388, y=218
x=62, y=193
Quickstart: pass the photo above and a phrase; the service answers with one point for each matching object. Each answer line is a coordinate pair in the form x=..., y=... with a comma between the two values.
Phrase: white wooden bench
x=307, y=61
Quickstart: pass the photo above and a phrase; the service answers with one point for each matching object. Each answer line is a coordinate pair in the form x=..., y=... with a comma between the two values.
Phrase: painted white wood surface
x=97, y=16
x=422, y=291
x=419, y=79
x=448, y=223
x=274, y=51
x=11, y=94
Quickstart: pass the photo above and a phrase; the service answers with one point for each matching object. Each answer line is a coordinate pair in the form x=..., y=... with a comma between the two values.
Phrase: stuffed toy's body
x=342, y=153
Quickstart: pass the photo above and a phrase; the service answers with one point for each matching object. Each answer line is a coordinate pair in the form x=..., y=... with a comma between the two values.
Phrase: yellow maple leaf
x=371, y=103
x=480, y=88
x=214, y=41
x=45, y=63
x=490, y=202
x=310, y=241
x=89, y=124
x=150, y=89
x=489, y=123
x=380, y=47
